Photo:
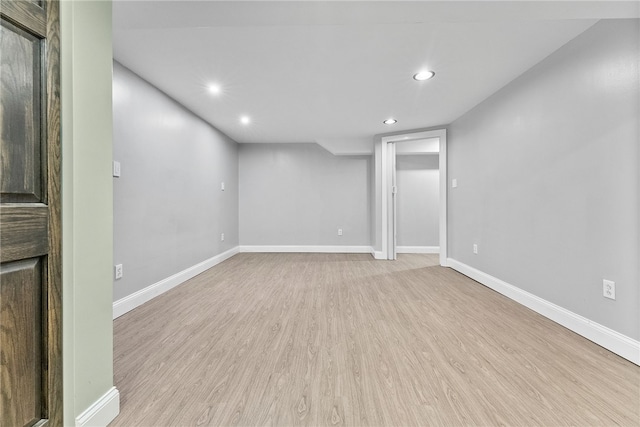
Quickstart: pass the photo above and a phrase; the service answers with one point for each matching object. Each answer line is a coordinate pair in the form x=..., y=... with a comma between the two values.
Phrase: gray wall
x=548, y=183
x=169, y=210
x=300, y=194
x=417, y=179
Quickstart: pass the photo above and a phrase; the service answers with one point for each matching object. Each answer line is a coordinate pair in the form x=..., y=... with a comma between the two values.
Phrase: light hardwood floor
x=328, y=339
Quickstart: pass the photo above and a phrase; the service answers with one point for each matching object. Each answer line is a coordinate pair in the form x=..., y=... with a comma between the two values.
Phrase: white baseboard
x=408, y=250
x=418, y=249
x=613, y=341
x=102, y=411
x=138, y=298
x=310, y=249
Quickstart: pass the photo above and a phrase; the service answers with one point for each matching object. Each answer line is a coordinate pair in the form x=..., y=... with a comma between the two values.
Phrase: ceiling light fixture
x=214, y=89
x=390, y=121
x=423, y=75
x=245, y=120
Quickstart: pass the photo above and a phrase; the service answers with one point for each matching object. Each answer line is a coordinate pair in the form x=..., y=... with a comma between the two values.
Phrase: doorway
x=417, y=202
x=421, y=143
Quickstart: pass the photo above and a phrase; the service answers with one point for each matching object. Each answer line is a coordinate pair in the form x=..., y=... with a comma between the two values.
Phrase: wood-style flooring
x=342, y=339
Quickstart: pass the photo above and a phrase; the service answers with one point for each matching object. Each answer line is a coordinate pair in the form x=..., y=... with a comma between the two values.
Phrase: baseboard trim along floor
x=306, y=249
x=616, y=342
x=613, y=341
x=128, y=303
x=102, y=411
x=418, y=249
x=326, y=339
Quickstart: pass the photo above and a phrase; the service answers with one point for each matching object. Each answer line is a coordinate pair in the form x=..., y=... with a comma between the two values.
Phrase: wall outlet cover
x=609, y=289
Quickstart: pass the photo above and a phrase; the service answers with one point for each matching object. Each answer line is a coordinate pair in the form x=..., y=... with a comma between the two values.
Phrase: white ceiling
x=333, y=71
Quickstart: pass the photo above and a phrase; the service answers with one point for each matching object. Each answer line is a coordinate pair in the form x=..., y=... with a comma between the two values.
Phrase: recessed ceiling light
x=390, y=121
x=214, y=88
x=423, y=75
x=245, y=120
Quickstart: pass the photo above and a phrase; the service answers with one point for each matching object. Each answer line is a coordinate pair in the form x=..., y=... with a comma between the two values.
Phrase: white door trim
x=441, y=134
x=391, y=209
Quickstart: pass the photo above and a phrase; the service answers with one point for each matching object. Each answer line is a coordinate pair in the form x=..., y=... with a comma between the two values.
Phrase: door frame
x=387, y=167
x=392, y=208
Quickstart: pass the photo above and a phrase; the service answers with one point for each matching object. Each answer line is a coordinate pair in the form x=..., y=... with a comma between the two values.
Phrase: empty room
x=379, y=213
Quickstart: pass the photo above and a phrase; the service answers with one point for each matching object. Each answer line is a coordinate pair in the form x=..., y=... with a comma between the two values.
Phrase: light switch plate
x=454, y=183
x=116, y=169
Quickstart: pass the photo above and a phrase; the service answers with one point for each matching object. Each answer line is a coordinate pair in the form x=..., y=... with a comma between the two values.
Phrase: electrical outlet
x=222, y=237
x=475, y=249
x=222, y=186
x=339, y=231
x=118, y=271
x=608, y=289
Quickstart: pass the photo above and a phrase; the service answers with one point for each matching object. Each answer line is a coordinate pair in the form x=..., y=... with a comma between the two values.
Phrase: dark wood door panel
x=22, y=170
x=23, y=231
x=21, y=294
x=30, y=223
x=27, y=14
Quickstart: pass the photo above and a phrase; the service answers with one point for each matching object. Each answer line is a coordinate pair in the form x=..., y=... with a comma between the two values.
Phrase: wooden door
x=30, y=261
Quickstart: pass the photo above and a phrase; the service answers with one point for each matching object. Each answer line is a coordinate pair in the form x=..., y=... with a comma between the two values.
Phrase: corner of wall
x=86, y=114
